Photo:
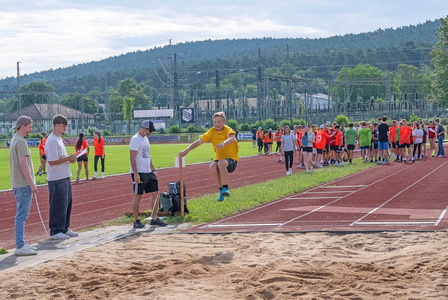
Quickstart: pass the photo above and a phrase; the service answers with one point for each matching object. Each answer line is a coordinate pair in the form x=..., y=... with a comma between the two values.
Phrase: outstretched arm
x=192, y=146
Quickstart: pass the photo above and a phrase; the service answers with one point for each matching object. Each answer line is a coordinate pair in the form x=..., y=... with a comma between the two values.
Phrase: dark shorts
x=374, y=146
x=148, y=183
x=338, y=149
x=393, y=145
x=232, y=165
x=319, y=151
x=308, y=149
x=327, y=147
x=405, y=145
x=44, y=156
x=254, y=137
x=350, y=147
x=364, y=147
x=83, y=158
x=334, y=147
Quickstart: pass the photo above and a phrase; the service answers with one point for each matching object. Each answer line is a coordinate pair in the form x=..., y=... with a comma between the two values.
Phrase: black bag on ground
x=170, y=201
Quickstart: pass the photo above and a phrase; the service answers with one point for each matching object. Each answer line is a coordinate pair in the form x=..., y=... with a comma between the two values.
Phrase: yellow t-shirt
x=215, y=137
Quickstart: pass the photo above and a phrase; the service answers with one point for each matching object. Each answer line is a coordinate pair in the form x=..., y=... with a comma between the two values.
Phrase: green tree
x=269, y=123
x=36, y=92
x=130, y=88
x=439, y=60
x=77, y=101
x=341, y=118
x=361, y=81
x=128, y=109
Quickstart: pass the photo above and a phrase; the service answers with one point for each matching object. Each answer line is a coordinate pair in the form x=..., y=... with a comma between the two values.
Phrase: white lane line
x=342, y=197
x=396, y=195
x=305, y=198
x=342, y=186
x=330, y=192
x=441, y=216
x=240, y=225
x=397, y=223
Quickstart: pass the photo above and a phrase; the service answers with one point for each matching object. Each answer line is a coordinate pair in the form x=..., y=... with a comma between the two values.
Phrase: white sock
x=96, y=174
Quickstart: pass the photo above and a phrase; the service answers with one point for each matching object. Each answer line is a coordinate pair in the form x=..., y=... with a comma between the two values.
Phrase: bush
x=174, y=129
x=191, y=129
x=269, y=123
x=161, y=130
x=233, y=124
x=299, y=122
x=341, y=118
x=413, y=118
x=91, y=131
x=106, y=132
x=245, y=127
x=285, y=122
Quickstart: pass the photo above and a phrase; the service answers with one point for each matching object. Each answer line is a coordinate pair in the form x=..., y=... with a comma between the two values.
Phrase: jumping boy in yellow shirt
x=224, y=143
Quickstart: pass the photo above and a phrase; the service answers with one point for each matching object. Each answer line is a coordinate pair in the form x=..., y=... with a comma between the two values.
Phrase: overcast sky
x=48, y=34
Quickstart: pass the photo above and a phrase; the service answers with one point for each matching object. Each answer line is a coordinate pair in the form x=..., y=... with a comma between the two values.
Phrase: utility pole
x=218, y=90
x=288, y=88
x=19, y=96
x=260, y=86
x=176, y=100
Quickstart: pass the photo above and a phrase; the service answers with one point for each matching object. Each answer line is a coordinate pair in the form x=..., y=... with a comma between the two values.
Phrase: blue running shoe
x=220, y=196
x=225, y=192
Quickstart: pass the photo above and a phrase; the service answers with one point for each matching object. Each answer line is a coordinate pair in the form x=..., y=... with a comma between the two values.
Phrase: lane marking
x=330, y=192
x=441, y=216
x=240, y=225
x=342, y=186
x=396, y=223
x=302, y=198
x=397, y=194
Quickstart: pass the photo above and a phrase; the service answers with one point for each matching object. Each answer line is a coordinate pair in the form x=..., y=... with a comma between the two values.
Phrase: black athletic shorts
x=319, y=151
x=308, y=149
x=350, y=147
x=232, y=164
x=44, y=156
x=334, y=147
x=405, y=145
x=375, y=146
x=83, y=157
x=148, y=183
x=337, y=149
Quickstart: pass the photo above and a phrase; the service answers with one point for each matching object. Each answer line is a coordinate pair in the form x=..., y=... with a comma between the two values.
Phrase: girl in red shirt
x=43, y=158
x=98, y=145
x=82, y=149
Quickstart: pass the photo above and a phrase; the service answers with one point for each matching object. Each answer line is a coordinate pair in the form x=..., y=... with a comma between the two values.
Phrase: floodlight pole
x=19, y=96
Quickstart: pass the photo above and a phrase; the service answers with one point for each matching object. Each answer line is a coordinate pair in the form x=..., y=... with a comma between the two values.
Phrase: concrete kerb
x=49, y=250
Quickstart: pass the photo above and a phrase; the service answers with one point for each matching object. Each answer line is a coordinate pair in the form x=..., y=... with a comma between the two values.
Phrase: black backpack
x=170, y=202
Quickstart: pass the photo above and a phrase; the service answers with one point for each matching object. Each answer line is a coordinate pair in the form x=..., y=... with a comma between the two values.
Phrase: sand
x=394, y=265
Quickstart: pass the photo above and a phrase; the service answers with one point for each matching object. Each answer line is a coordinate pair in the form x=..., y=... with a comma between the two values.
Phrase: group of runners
x=320, y=146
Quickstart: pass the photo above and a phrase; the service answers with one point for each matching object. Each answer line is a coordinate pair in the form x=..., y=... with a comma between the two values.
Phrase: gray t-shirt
x=19, y=148
x=54, y=150
x=288, y=142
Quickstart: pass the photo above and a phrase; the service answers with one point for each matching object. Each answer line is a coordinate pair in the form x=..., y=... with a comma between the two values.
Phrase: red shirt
x=42, y=147
x=99, y=146
x=431, y=132
x=339, y=140
x=321, y=139
x=405, y=134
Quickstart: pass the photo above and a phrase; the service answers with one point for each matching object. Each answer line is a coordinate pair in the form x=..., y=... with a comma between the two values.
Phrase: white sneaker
x=342, y=163
x=59, y=236
x=31, y=247
x=336, y=164
x=71, y=233
x=319, y=166
x=102, y=177
x=25, y=251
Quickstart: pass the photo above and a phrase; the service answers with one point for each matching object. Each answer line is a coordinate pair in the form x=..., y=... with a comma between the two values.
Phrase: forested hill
x=193, y=53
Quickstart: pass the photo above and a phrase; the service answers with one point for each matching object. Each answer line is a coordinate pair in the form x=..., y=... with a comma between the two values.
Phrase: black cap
x=149, y=125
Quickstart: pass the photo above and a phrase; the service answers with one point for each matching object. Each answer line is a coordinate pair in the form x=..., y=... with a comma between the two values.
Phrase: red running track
x=102, y=200
x=384, y=198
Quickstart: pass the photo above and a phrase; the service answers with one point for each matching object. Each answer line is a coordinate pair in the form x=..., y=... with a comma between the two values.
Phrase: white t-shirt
x=143, y=159
x=418, y=133
x=54, y=150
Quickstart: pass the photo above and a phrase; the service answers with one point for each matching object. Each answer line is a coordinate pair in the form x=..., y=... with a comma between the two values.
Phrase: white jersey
x=143, y=159
x=54, y=150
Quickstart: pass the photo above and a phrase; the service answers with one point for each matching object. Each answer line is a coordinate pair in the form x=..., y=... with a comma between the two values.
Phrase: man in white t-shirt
x=143, y=173
x=59, y=184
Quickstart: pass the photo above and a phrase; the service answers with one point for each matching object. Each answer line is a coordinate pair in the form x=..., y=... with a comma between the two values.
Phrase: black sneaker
x=138, y=225
x=158, y=222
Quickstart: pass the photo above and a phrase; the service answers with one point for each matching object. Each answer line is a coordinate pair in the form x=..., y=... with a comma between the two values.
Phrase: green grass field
x=117, y=159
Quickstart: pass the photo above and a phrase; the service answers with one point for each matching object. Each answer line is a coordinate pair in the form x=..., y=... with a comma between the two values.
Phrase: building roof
x=46, y=111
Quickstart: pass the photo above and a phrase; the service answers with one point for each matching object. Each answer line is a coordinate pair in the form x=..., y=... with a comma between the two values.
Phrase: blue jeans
x=440, y=139
x=60, y=205
x=23, y=197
